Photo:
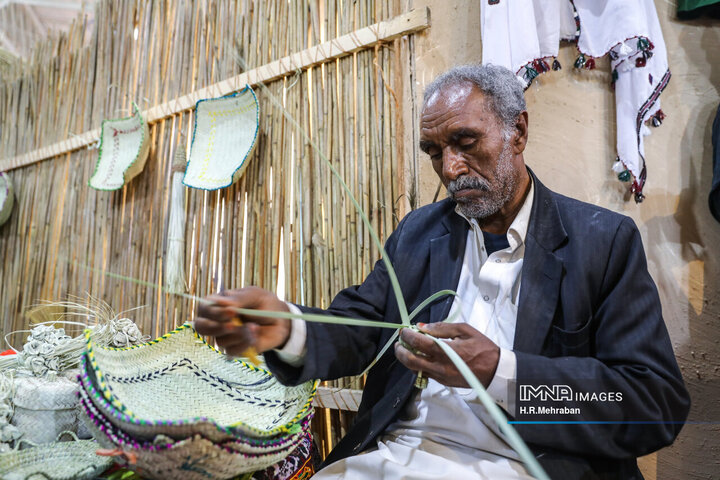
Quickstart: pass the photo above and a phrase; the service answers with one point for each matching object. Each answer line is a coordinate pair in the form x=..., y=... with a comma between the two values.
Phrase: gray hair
x=499, y=85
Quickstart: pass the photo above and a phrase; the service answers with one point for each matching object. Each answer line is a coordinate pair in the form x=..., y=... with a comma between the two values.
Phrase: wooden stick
x=367, y=37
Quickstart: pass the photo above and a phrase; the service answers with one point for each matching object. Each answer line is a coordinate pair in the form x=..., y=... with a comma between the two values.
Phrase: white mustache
x=465, y=182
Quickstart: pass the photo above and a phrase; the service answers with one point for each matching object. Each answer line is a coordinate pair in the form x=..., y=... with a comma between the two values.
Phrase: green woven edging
x=114, y=403
x=136, y=114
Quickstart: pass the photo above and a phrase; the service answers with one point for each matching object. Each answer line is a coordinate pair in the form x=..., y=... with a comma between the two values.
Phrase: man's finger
x=212, y=327
x=252, y=298
x=238, y=337
x=419, y=342
x=214, y=310
x=448, y=330
x=412, y=361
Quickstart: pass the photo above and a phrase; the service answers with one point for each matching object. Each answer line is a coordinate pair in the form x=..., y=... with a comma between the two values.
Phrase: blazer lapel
x=446, y=258
x=541, y=274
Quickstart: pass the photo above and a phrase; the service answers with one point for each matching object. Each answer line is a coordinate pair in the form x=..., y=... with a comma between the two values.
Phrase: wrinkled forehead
x=456, y=96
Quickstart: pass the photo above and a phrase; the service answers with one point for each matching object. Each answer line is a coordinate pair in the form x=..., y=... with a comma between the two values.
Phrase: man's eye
x=435, y=155
x=467, y=142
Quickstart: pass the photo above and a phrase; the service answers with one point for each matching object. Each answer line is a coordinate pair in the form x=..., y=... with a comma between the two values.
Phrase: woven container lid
x=7, y=197
x=36, y=393
x=179, y=381
x=124, y=147
x=223, y=137
x=54, y=461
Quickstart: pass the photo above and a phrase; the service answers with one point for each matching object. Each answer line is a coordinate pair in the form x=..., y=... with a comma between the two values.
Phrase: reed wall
x=286, y=209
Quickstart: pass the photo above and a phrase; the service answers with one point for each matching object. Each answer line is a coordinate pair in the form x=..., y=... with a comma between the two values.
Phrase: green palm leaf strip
x=510, y=433
x=517, y=443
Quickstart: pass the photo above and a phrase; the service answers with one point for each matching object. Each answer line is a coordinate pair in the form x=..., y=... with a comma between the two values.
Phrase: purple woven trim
x=120, y=438
x=99, y=416
x=87, y=385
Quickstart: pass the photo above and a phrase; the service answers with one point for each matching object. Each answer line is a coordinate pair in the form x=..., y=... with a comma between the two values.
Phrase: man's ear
x=520, y=137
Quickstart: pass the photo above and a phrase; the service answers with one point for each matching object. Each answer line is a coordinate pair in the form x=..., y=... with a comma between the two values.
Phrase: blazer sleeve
x=631, y=353
x=335, y=351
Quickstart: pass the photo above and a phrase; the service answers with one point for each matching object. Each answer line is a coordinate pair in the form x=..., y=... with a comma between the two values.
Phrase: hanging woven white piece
x=175, y=257
x=524, y=36
x=7, y=197
x=124, y=148
x=223, y=137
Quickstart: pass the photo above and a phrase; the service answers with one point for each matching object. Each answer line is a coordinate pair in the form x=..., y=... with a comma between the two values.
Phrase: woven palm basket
x=124, y=147
x=7, y=197
x=103, y=427
x=194, y=457
x=44, y=408
x=54, y=461
x=178, y=385
x=223, y=137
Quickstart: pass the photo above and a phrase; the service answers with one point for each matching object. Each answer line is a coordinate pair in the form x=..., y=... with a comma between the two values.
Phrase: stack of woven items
x=177, y=408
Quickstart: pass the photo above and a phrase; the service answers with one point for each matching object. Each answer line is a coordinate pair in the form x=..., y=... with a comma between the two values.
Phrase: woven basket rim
x=243, y=163
x=150, y=446
x=116, y=407
x=48, y=454
x=86, y=405
x=142, y=151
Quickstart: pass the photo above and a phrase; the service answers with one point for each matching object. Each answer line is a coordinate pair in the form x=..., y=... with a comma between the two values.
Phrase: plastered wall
x=572, y=147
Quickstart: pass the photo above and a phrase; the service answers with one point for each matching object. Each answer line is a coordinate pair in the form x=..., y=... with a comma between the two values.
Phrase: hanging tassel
x=658, y=118
x=175, y=263
x=618, y=165
x=636, y=190
x=640, y=61
x=590, y=64
x=530, y=74
x=580, y=61
x=556, y=65
x=624, y=176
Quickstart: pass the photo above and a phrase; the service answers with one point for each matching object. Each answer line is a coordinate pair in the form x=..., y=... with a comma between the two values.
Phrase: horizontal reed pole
x=364, y=38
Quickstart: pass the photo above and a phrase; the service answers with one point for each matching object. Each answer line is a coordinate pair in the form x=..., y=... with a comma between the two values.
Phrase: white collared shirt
x=447, y=424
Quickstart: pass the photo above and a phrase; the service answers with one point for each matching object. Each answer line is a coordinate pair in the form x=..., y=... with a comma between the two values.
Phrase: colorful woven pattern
x=54, y=461
x=175, y=407
x=224, y=135
x=124, y=147
x=7, y=197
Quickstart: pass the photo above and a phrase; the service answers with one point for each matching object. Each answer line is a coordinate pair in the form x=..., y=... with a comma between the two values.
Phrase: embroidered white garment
x=523, y=34
x=446, y=433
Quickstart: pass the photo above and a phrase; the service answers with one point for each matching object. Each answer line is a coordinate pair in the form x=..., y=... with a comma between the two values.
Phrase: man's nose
x=453, y=164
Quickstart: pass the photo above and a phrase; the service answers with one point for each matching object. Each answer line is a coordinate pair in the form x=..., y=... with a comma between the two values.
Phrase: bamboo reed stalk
x=173, y=56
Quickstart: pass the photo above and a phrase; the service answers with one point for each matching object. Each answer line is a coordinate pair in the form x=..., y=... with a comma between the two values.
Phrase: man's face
x=466, y=143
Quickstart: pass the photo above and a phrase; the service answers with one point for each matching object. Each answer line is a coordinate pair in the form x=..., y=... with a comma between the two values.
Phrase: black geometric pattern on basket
x=227, y=388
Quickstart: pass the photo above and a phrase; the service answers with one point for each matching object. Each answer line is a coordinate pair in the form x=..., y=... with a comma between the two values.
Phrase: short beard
x=495, y=196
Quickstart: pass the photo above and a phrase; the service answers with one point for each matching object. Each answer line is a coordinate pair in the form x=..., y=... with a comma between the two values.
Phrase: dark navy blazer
x=588, y=313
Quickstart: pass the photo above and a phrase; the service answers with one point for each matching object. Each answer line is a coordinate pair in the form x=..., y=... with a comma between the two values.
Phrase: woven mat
x=195, y=458
x=223, y=137
x=54, y=461
x=124, y=147
x=178, y=383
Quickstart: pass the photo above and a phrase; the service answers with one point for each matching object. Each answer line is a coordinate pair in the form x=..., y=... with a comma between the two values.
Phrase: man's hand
x=262, y=333
x=476, y=350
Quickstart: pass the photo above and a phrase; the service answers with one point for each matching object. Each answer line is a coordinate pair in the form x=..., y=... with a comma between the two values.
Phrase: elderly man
x=553, y=295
